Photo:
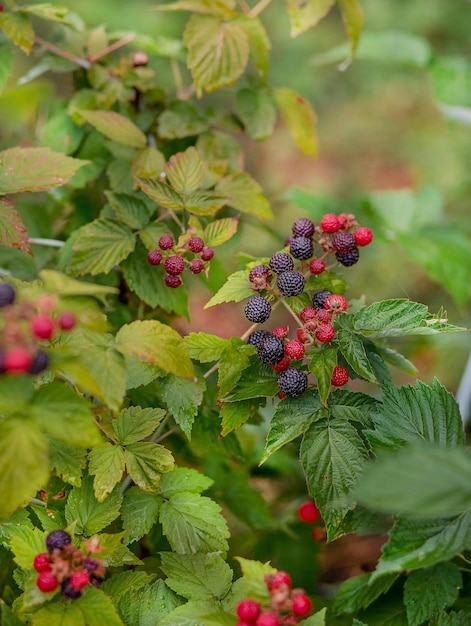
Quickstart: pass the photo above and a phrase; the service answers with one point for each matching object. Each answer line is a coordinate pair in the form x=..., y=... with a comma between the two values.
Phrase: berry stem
x=106, y=433
x=62, y=53
x=177, y=220
x=292, y=313
x=52, y=243
x=37, y=502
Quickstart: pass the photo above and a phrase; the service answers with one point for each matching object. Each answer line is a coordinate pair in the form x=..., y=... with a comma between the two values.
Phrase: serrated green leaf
x=307, y=14
x=147, y=163
x=141, y=606
x=58, y=614
x=197, y=613
x=116, y=127
x=186, y=171
x=332, y=456
x=21, y=438
x=359, y=592
x=204, y=347
x=254, y=574
x=67, y=461
x=193, y=523
x=292, y=417
x=107, y=465
x=6, y=54
x=218, y=51
x=220, y=231
x=430, y=590
x=91, y=516
x=234, y=414
x=234, y=360
x=62, y=285
x=97, y=608
x=146, y=462
x=300, y=118
x=257, y=110
x=139, y=513
x=245, y=194
x=182, y=396
x=332, y=281
x=353, y=18
x=130, y=210
x=157, y=343
x=256, y=381
x=135, y=423
x=25, y=544
x=17, y=27
x=114, y=553
x=322, y=365
x=197, y=576
x=318, y=619
x=259, y=43
x=451, y=618
x=13, y=232
x=352, y=348
x=235, y=289
x=354, y=406
x=122, y=583
x=183, y=479
x=219, y=8
x=181, y=118
x=204, y=202
x=389, y=318
x=396, y=359
x=46, y=11
x=100, y=246
x=35, y=169
x=161, y=193
x=141, y=373
x=7, y=617
x=16, y=393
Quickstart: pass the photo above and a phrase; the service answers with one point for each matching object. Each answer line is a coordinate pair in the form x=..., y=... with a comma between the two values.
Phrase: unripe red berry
x=207, y=254
x=154, y=257
x=283, y=365
x=363, y=236
x=308, y=313
x=317, y=266
x=330, y=223
x=336, y=303
x=166, y=242
x=42, y=326
x=172, y=281
x=318, y=534
x=248, y=610
x=339, y=376
x=308, y=512
x=46, y=582
x=79, y=580
x=239, y=623
x=325, y=333
x=196, y=244
x=324, y=316
x=196, y=266
x=295, y=349
x=281, y=395
x=174, y=265
x=280, y=331
x=67, y=321
x=302, y=335
x=17, y=360
x=302, y=605
x=41, y=562
x=267, y=618
x=281, y=578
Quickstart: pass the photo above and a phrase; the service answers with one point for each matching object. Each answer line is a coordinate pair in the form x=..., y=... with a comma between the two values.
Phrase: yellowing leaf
x=186, y=170
x=161, y=193
x=115, y=127
x=352, y=15
x=219, y=8
x=204, y=202
x=217, y=52
x=220, y=231
x=245, y=195
x=300, y=119
x=148, y=163
x=17, y=27
x=13, y=232
x=304, y=15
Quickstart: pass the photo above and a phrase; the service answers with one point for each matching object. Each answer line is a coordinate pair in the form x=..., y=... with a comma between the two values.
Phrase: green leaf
x=7, y=617
x=359, y=592
x=256, y=381
x=204, y=347
x=67, y=461
x=182, y=396
x=181, y=118
x=253, y=574
x=91, y=516
x=423, y=480
x=97, y=608
x=219, y=8
x=417, y=414
x=26, y=544
x=414, y=544
x=6, y=54
x=21, y=439
x=139, y=513
x=116, y=127
x=332, y=281
x=322, y=365
x=318, y=619
x=157, y=343
x=220, y=231
x=234, y=360
x=197, y=613
x=59, y=614
x=17, y=27
x=35, y=169
x=13, y=232
x=353, y=349
x=300, y=118
x=429, y=590
x=65, y=416
x=183, y=479
x=62, y=285
x=292, y=418
x=354, y=406
x=161, y=193
x=16, y=393
x=204, y=202
x=235, y=289
x=197, y=576
x=257, y=110
x=245, y=194
x=101, y=245
x=146, y=462
x=259, y=43
x=46, y=11
x=186, y=171
x=332, y=456
x=130, y=210
x=122, y=583
x=453, y=618
x=218, y=52
x=307, y=14
x=353, y=18
x=389, y=318
x=107, y=465
x=193, y=523
x=140, y=607
x=147, y=163
x=134, y=424
x=396, y=359
x=234, y=414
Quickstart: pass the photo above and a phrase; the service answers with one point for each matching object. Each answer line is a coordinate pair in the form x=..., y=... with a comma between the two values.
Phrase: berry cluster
x=66, y=566
x=23, y=326
x=286, y=605
x=309, y=514
x=176, y=257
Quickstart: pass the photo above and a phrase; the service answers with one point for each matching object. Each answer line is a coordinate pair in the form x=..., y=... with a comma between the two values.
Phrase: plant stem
x=53, y=243
x=106, y=433
x=292, y=313
x=114, y=46
x=244, y=6
x=177, y=76
x=63, y=53
x=37, y=502
x=258, y=8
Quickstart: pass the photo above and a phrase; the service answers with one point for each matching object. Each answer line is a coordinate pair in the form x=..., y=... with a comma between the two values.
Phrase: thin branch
x=52, y=243
x=258, y=8
x=114, y=46
x=37, y=502
x=175, y=219
x=244, y=6
x=292, y=313
x=106, y=433
x=177, y=75
x=63, y=53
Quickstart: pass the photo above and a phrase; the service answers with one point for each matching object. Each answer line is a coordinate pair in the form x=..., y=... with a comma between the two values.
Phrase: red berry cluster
x=66, y=566
x=176, y=258
x=309, y=514
x=285, y=607
x=23, y=326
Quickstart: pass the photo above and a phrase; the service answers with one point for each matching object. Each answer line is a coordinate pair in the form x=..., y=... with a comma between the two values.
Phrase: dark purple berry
x=281, y=262
x=257, y=336
x=302, y=248
x=319, y=298
x=174, y=265
x=207, y=254
x=259, y=271
x=166, y=242
x=343, y=242
x=58, y=539
x=67, y=591
x=349, y=258
x=257, y=310
x=291, y=283
x=303, y=227
x=7, y=294
x=292, y=382
x=271, y=350
x=90, y=565
x=154, y=257
x=196, y=244
x=196, y=266
x=172, y=281
x=40, y=362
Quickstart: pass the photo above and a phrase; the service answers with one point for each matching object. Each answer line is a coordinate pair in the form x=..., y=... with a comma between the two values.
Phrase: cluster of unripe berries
x=286, y=605
x=175, y=259
x=309, y=514
x=23, y=326
x=67, y=567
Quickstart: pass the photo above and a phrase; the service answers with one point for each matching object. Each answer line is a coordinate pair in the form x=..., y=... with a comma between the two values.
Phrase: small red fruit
x=174, y=265
x=172, y=281
x=67, y=321
x=302, y=336
x=336, y=303
x=363, y=236
x=295, y=349
x=46, y=582
x=207, y=254
x=283, y=365
x=324, y=316
x=248, y=610
x=281, y=578
x=302, y=605
x=154, y=257
x=17, y=360
x=166, y=242
x=325, y=333
x=308, y=313
x=196, y=244
x=339, y=376
x=330, y=223
x=267, y=619
x=41, y=562
x=317, y=266
x=308, y=512
x=196, y=266
x=42, y=326
x=280, y=331
x=79, y=580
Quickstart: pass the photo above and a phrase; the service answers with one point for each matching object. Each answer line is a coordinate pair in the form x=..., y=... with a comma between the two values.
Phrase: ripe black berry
x=302, y=248
x=257, y=336
x=281, y=262
x=303, y=227
x=196, y=244
x=57, y=539
x=319, y=298
x=291, y=283
x=67, y=591
x=154, y=257
x=7, y=294
x=349, y=258
x=292, y=382
x=271, y=350
x=257, y=309
x=343, y=242
x=40, y=362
